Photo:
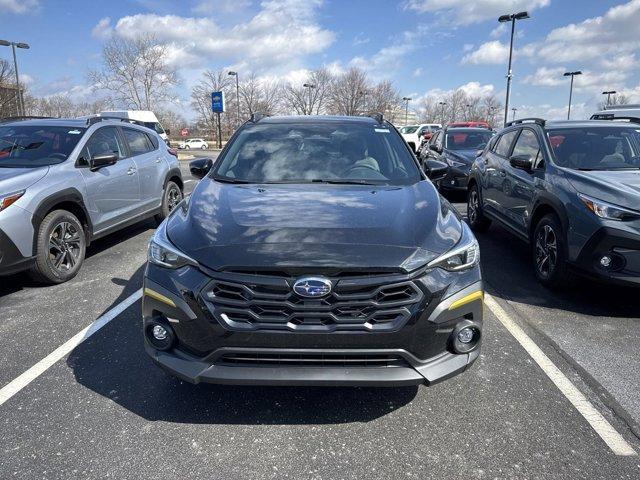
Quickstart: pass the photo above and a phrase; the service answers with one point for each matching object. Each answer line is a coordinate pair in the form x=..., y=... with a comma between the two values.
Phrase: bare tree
x=259, y=95
x=308, y=100
x=382, y=98
x=347, y=95
x=615, y=99
x=8, y=98
x=459, y=106
x=171, y=120
x=135, y=72
x=213, y=81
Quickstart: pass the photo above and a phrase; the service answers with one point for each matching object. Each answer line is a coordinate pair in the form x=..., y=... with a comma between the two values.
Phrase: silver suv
x=65, y=182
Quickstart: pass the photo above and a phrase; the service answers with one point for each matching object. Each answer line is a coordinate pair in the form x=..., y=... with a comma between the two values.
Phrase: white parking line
x=610, y=435
x=13, y=387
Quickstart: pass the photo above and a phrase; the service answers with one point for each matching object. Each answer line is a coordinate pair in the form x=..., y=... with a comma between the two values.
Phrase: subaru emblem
x=312, y=287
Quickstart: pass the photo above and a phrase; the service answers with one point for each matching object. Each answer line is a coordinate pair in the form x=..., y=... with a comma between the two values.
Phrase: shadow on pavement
x=507, y=268
x=113, y=363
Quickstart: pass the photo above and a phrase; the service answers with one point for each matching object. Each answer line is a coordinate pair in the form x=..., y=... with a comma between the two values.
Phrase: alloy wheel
x=174, y=197
x=64, y=246
x=472, y=206
x=546, y=251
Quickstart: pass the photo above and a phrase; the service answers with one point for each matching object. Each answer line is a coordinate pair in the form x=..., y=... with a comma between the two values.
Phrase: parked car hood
x=465, y=156
x=14, y=179
x=331, y=226
x=620, y=187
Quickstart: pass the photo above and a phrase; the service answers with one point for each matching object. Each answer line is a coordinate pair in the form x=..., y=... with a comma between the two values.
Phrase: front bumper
x=621, y=246
x=208, y=349
x=11, y=258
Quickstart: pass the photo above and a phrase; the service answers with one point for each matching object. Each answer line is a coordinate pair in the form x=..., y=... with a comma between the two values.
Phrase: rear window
x=334, y=152
x=504, y=143
x=36, y=146
x=596, y=148
x=138, y=142
x=467, y=140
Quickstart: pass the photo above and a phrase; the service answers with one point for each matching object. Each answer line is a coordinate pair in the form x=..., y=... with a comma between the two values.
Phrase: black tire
x=60, y=248
x=548, y=251
x=203, y=147
x=171, y=196
x=475, y=216
x=187, y=147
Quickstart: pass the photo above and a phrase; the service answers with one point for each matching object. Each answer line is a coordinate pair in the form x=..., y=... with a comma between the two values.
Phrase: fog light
x=160, y=333
x=605, y=261
x=466, y=335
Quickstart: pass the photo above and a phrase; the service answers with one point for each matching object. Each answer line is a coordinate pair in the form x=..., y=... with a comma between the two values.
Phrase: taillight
x=10, y=199
x=173, y=152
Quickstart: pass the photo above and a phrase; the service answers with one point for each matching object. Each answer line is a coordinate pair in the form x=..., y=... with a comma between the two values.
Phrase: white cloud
x=489, y=53
x=498, y=31
x=472, y=89
x=579, y=111
x=361, y=39
x=417, y=72
x=26, y=79
x=19, y=6
x=465, y=12
x=592, y=82
x=210, y=7
x=103, y=29
x=280, y=34
x=467, y=47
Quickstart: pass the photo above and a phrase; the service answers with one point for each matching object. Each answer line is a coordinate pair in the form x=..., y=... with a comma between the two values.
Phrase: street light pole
x=608, y=94
x=235, y=74
x=14, y=45
x=406, y=108
x=310, y=86
x=364, y=101
x=514, y=110
x=467, y=112
x=571, y=74
x=511, y=18
x=442, y=105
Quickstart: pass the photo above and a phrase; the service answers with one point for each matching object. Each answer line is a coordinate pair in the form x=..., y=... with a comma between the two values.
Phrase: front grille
x=311, y=360
x=264, y=302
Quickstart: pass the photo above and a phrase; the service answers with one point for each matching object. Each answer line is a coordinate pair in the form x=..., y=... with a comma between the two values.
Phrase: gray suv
x=65, y=182
x=571, y=189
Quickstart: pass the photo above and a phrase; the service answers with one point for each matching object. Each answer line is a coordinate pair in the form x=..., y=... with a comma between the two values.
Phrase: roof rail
x=256, y=117
x=611, y=116
x=99, y=118
x=626, y=106
x=378, y=117
x=537, y=121
x=22, y=117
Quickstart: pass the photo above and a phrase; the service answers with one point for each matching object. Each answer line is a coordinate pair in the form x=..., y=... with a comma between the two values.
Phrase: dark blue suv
x=571, y=189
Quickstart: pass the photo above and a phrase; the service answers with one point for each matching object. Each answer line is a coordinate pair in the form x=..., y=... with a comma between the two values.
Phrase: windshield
x=36, y=146
x=409, y=129
x=467, y=140
x=332, y=152
x=596, y=148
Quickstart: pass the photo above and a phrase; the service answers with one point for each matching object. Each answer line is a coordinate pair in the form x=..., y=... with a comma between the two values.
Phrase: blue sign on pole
x=217, y=102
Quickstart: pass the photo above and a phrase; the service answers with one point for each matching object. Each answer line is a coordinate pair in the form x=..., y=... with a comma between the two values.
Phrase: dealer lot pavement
x=105, y=411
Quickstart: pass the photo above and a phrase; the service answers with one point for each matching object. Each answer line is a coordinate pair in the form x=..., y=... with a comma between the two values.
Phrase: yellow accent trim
x=467, y=299
x=158, y=296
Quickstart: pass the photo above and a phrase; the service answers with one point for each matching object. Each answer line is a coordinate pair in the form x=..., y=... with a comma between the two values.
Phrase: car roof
x=49, y=122
x=587, y=123
x=317, y=119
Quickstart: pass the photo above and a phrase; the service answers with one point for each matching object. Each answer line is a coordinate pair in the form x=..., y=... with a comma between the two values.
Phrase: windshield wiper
x=230, y=180
x=343, y=182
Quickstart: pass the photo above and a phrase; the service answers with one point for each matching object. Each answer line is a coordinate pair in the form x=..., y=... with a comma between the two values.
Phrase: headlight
x=608, y=211
x=465, y=255
x=9, y=199
x=162, y=252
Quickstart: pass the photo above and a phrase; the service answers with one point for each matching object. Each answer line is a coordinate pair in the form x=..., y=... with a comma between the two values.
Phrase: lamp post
x=442, y=105
x=467, y=112
x=310, y=86
x=511, y=18
x=406, y=108
x=608, y=94
x=364, y=101
x=14, y=45
x=514, y=110
x=235, y=74
x=571, y=74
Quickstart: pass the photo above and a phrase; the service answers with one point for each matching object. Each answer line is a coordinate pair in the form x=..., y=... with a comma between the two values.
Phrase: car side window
x=504, y=143
x=527, y=144
x=138, y=141
x=104, y=141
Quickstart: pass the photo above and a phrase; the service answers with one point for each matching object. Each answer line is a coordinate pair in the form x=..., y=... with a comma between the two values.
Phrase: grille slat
x=311, y=360
x=268, y=303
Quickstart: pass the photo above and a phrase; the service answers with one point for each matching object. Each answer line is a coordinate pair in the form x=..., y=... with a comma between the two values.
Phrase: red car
x=480, y=124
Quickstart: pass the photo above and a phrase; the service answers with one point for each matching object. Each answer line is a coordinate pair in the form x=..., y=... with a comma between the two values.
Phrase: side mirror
x=435, y=169
x=104, y=160
x=523, y=162
x=200, y=167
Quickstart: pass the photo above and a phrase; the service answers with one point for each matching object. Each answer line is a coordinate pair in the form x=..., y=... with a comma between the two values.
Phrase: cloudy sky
x=423, y=46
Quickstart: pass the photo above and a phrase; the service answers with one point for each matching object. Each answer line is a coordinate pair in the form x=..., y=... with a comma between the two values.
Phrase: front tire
x=171, y=197
x=549, y=253
x=60, y=248
x=203, y=147
x=475, y=216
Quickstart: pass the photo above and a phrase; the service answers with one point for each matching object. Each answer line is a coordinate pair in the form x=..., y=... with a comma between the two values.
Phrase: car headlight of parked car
x=164, y=254
x=465, y=255
x=608, y=211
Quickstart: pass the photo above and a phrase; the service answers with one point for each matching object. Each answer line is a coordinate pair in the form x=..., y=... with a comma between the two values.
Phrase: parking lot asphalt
x=105, y=411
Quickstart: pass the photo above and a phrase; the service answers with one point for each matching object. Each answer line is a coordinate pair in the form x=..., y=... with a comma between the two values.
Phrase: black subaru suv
x=315, y=251
x=571, y=189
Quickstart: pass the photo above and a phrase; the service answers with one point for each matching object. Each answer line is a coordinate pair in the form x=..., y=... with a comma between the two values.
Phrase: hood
x=229, y=226
x=465, y=156
x=14, y=179
x=620, y=187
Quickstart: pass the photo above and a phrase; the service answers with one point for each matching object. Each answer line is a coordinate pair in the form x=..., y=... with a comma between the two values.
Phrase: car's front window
x=467, y=140
x=332, y=152
x=596, y=148
x=36, y=146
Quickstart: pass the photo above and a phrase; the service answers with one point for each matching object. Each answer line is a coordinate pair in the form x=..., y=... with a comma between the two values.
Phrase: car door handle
x=131, y=171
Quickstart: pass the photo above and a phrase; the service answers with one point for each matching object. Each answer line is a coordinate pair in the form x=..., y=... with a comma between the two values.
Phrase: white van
x=623, y=112
x=145, y=116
